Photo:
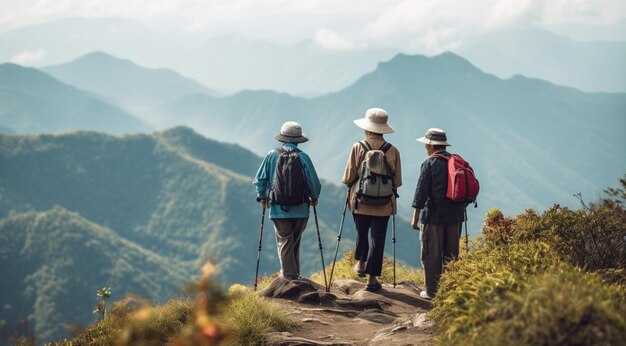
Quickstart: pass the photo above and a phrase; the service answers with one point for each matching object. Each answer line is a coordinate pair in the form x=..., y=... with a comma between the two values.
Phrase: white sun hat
x=434, y=136
x=291, y=132
x=375, y=120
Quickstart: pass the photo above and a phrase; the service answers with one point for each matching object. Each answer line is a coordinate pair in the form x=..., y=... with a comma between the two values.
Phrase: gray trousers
x=288, y=235
x=440, y=244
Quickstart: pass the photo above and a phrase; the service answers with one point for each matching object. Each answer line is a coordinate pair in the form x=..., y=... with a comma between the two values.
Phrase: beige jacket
x=352, y=172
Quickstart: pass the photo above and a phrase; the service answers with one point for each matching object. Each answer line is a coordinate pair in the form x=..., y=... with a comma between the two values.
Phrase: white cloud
x=28, y=57
x=427, y=25
x=434, y=25
x=328, y=39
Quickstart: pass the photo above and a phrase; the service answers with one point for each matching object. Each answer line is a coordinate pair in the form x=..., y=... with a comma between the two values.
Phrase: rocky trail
x=349, y=315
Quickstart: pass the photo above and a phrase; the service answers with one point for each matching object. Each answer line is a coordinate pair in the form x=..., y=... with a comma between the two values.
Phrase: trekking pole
x=393, y=240
x=319, y=240
x=393, y=236
x=343, y=217
x=258, y=256
x=466, y=236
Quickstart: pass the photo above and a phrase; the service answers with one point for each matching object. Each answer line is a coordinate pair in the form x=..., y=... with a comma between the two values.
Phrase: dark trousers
x=440, y=244
x=288, y=235
x=372, y=255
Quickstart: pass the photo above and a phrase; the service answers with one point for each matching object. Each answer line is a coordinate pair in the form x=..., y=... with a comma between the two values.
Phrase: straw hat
x=375, y=121
x=434, y=136
x=291, y=132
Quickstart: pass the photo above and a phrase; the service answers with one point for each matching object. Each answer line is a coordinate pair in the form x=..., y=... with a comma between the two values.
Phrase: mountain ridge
x=33, y=101
x=122, y=80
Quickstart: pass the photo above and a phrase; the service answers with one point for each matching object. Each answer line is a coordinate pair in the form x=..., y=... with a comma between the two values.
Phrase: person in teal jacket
x=289, y=221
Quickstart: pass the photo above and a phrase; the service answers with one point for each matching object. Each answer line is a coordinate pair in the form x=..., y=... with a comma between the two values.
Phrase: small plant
x=101, y=307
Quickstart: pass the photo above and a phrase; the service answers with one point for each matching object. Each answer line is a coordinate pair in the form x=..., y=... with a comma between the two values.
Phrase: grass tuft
x=253, y=318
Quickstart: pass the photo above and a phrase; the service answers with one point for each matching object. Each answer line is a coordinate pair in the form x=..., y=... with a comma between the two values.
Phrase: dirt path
x=352, y=316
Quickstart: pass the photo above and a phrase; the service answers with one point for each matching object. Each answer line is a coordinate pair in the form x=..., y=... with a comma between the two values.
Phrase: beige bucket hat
x=375, y=120
x=291, y=132
x=434, y=136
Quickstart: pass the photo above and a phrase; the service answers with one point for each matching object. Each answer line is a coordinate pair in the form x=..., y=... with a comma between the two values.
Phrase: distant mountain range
x=33, y=102
x=125, y=83
x=555, y=137
x=589, y=66
x=230, y=63
x=139, y=213
x=532, y=143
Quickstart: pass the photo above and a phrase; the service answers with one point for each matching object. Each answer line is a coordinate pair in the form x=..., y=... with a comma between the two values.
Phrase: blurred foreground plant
x=101, y=307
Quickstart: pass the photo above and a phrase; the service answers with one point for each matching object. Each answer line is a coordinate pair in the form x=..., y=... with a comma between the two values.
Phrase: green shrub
x=563, y=306
x=591, y=238
x=252, y=318
x=473, y=284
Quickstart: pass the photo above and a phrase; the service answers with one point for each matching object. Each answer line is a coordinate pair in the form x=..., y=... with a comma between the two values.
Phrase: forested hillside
x=173, y=196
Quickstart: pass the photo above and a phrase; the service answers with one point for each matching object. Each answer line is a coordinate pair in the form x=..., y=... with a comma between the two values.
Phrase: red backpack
x=462, y=183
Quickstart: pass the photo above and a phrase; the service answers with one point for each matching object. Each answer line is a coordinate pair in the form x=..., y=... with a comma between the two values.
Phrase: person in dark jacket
x=441, y=217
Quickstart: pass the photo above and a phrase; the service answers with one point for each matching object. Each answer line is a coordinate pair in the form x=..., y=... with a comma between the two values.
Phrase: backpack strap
x=385, y=147
x=441, y=156
x=365, y=145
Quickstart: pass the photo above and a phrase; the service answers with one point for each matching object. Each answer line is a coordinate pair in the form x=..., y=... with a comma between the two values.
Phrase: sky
x=413, y=25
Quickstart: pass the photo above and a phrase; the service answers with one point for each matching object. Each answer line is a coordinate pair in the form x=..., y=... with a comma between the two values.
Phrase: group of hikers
x=288, y=185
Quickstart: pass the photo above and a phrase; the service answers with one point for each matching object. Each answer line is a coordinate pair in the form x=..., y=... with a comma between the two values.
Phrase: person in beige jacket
x=371, y=218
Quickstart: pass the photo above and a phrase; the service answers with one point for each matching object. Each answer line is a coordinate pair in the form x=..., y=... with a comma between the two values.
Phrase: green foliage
x=559, y=306
x=591, y=238
x=523, y=292
x=471, y=285
x=253, y=318
x=564, y=306
x=344, y=270
x=530, y=280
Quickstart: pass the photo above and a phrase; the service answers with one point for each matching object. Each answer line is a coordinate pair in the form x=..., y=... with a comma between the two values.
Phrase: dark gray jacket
x=430, y=194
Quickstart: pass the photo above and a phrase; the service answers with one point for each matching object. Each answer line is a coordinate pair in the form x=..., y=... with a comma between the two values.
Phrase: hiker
x=440, y=216
x=287, y=181
x=371, y=213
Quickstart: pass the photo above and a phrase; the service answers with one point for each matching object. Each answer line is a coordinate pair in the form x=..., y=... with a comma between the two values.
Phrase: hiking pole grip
x=343, y=217
x=319, y=240
x=258, y=256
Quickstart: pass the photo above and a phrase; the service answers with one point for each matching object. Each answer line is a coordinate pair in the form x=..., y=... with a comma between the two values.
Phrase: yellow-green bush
x=472, y=285
x=563, y=306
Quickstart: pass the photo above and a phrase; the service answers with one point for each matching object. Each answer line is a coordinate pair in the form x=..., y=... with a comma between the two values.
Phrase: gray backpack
x=376, y=178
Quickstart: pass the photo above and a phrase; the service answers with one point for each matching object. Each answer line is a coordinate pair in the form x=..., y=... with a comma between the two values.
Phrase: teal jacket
x=265, y=176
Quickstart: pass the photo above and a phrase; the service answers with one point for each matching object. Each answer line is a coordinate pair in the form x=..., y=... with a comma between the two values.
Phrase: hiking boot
x=359, y=272
x=424, y=295
x=373, y=287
